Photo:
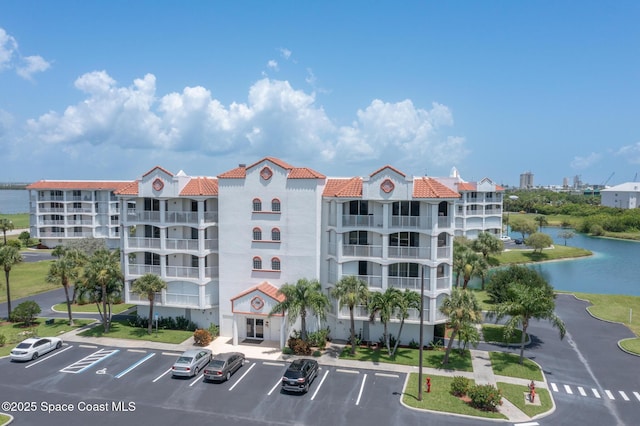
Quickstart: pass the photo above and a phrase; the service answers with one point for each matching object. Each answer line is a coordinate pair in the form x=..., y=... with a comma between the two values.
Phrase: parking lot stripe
x=320, y=385
x=637, y=395
x=339, y=370
x=623, y=395
x=142, y=351
x=196, y=380
x=276, y=385
x=88, y=346
x=581, y=390
x=275, y=364
x=89, y=361
x=387, y=375
x=170, y=353
x=122, y=373
x=554, y=387
x=596, y=393
x=160, y=376
x=242, y=377
x=609, y=394
x=46, y=358
x=364, y=379
x=568, y=389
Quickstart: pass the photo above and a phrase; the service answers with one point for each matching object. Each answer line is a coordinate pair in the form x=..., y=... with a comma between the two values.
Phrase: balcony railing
x=79, y=210
x=51, y=222
x=81, y=234
x=405, y=221
x=361, y=250
x=144, y=216
x=444, y=221
x=212, y=272
x=210, y=216
x=51, y=198
x=148, y=243
x=182, y=299
x=359, y=311
x=72, y=222
x=51, y=210
x=211, y=244
x=139, y=269
x=181, y=217
x=52, y=235
x=412, y=283
x=360, y=220
x=181, y=244
x=442, y=283
x=182, y=272
x=410, y=252
x=373, y=281
x=444, y=252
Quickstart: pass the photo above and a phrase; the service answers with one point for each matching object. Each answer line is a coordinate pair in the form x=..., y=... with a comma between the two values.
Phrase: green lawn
x=505, y=364
x=4, y=419
x=406, y=356
x=15, y=333
x=515, y=394
x=527, y=256
x=27, y=279
x=440, y=398
x=92, y=308
x=20, y=220
x=631, y=345
x=122, y=330
x=494, y=333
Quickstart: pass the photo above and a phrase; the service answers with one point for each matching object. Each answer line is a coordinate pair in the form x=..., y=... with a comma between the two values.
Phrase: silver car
x=33, y=347
x=222, y=366
x=191, y=362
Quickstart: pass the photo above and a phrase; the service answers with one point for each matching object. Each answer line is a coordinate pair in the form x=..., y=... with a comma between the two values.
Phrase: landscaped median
x=123, y=330
x=91, y=308
x=4, y=419
x=16, y=332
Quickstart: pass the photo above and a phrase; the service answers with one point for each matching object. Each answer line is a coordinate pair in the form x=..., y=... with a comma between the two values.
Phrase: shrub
x=299, y=346
x=383, y=344
x=596, y=230
x=317, y=353
x=318, y=338
x=3, y=339
x=202, y=337
x=214, y=330
x=26, y=312
x=459, y=385
x=485, y=397
x=413, y=344
x=287, y=351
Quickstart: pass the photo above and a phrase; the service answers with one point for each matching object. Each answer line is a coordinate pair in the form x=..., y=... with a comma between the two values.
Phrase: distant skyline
x=110, y=89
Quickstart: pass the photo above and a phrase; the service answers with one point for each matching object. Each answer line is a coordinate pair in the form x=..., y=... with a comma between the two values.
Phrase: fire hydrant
x=428, y=384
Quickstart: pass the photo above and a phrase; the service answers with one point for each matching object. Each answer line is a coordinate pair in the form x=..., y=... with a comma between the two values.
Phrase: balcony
x=360, y=221
x=444, y=221
x=79, y=210
x=52, y=235
x=410, y=252
x=51, y=210
x=442, y=283
x=144, y=216
x=181, y=244
x=405, y=221
x=182, y=272
x=72, y=222
x=140, y=269
x=359, y=311
x=361, y=250
x=181, y=217
x=444, y=252
x=144, y=243
x=212, y=272
x=83, y=234
x=211, y=244
x=50, y=222
x=51, y=198
x=373, y=281
x=412, y=283
x=178, y=299
x=210, y=216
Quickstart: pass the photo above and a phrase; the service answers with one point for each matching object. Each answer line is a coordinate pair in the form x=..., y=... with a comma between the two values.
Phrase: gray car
x=222, y=366
x=191, y=362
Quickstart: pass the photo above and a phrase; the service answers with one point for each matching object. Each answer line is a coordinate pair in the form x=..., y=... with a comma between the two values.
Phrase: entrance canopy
x=258, y=300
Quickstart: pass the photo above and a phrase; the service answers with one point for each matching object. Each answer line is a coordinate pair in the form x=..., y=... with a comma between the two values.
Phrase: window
x=257, y=205
x=194, y=206
x=151, y=205
x=358, y=238
x=275, y=205
x=194, y=233
x=194, y=261
x=404, y=270
x=404, y=239
x=275, y=234
x=275, y=264
x=257, y=234
x=151, y=259
x=257, y=263
x=406, y=208
x=358, y=207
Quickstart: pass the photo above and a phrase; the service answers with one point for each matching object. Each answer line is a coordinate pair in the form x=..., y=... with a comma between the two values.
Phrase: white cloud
x=8, y=46
x=10, y=58
x=276, y=120
x=32, y=65
x=285, y=53
x=631, y=153
x=584, y=162
x=272, y=64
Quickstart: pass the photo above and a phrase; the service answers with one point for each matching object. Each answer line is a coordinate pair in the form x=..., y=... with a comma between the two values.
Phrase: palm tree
x=383, y=305
x=525, y=303
x=148, y=285
x=298, y=299
x=487, y=244
x=407, y=300
x=9, y=256
x=460, y=251
x=64, y=269
x=542, y=220
x=473, y=264
x=6, y=225
x=462, y=309
x=102, y=279
x=351, y=291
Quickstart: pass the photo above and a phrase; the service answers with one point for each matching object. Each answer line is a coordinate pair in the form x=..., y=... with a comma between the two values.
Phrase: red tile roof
x=237, y=173
x=347, y=188
x=130, y=188
x=200, y=186
x=304, y=173
x=77, y=184
x=158, y=168
x=466, y=186
x=240, y=172
x=387, y=167
x=424, y=187
x=278, y=162
x=266, y=288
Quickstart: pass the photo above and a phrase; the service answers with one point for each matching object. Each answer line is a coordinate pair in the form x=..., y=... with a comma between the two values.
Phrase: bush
x=596, y=230
x=383, y=344
x=485, y=397
x=413, y=344
x=26, y=312
x=459, y=386
x=299, y=346
x=317, y=353
x=202, y=337
x=165, y=323
x=287, y=351
x=214, y=330
x=3, y=339
x=318, y=338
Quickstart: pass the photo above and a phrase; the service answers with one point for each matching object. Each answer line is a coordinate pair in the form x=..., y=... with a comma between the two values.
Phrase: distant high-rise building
x=565, y=183
x=526, y=180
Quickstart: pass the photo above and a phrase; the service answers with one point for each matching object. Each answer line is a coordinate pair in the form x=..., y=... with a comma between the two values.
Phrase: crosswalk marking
x=637, y=395
x=581, y=390
x=609, y=394
x=568, y=389
x=623, y=395
x=89, y=361
x=596, y=393
x=554, y=387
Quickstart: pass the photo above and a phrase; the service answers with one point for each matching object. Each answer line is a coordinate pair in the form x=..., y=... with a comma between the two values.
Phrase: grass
x=440, y=398
x=505, y=364
x=4, y=419
x=515, y=394
x=15, y=333
x=20, y=220
x=494, y=333
x=122, y=330
x=631, y=345
x=27, y=279
x=407, y=356
x=92, y=308
x=558, y=252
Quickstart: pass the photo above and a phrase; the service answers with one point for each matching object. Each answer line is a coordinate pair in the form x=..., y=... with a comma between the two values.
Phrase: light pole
x=421, y=338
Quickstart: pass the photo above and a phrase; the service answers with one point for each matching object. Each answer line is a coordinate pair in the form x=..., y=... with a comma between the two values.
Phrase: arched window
x=275, y=234
x=275, y=205
x=257, y=205
x=275, y=264
x=257, y=234
x=257, y=263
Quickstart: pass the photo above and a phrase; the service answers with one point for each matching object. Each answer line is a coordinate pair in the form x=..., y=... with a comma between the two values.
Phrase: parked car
x=518, y=241
x=222, y=366
x=299, y=375
x=191, y=362
x=505, y=238
x=33, y=347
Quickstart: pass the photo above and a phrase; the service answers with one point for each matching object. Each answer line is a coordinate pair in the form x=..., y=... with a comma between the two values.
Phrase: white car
x=505, y=238
x=34, y=347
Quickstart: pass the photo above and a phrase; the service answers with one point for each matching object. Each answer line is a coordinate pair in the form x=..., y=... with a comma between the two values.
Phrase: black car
x=518, y=241
x=299, y=375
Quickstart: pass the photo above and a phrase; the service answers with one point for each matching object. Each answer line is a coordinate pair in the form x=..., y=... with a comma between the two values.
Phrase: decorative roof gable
x=200, y=186
x=343, y=188
x=425, y=187
x=380, y=170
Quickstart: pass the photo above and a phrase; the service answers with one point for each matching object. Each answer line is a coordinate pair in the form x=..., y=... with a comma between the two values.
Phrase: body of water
x=14, y=201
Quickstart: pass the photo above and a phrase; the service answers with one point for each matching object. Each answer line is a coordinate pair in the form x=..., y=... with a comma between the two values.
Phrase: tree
x=383, y=305
x=148, y=285
x=473, y=265
x=462, y=309
x=5, y=226
x=523, y=225
x=501, y=281
x=539, y=241
x=9, y=256
x=305, y=295
x=63, y=270
x=541, y=220
x=25, y=237
x=487, y=244
x=407, y=300
x=102, y=280
x=566, y=235
x=351, y=291
x=524, y=304
x=461, y=248
x=26, y=312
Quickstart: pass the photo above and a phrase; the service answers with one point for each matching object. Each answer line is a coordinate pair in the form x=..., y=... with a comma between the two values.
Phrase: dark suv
x=299, y=375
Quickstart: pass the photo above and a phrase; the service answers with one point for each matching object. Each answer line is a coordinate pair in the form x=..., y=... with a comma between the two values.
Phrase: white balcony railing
x=211, y=244
x=210, y=216
x=361, y=250
x=182, y=299
x=359, y=311
x=52, y=235
x=181, y=244
x=444, y=252
x=182, y=272
x=139, y=269
x=360, y=220
x=145, y=216
x=181, y=217
x=148, y=243
x=212, y=272
x=412, y=283
x=410, y=252
x=373, y=281
x=405, y=221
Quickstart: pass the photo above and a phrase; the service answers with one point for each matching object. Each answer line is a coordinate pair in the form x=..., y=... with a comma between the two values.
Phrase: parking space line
x=339, y=370
x=637, y=395
x=122, y=373
x=89, y=361
x=387, y=375
x=142, y=351
x=242, y=377
x=275, y=364
x=320, y=385
x=568, y=389
x=581, y=390
x=596, y=393
x=46, y=358
x=276, y=385
x=161, y=376
x=196, y=380
x=170, y=353
x=623, y=395
x=364, y=379
x=88, y=346
x=554, y=387
x=609, y=394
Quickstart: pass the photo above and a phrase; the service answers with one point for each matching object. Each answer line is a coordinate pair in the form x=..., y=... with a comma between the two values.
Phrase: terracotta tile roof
x=240, y=172
x=466, y=186
x=130, y=188
x=266, y=288
x=304, y=173
x=347, y=188
x=499, y=188
x=200, y=186
x=278, y=162
x=158, y=168
x=424, y=187
x=387, y=167
x=77, y=184
x=237, y=173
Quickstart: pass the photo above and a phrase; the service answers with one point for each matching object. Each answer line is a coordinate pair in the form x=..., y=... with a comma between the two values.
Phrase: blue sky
x=109, y=89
